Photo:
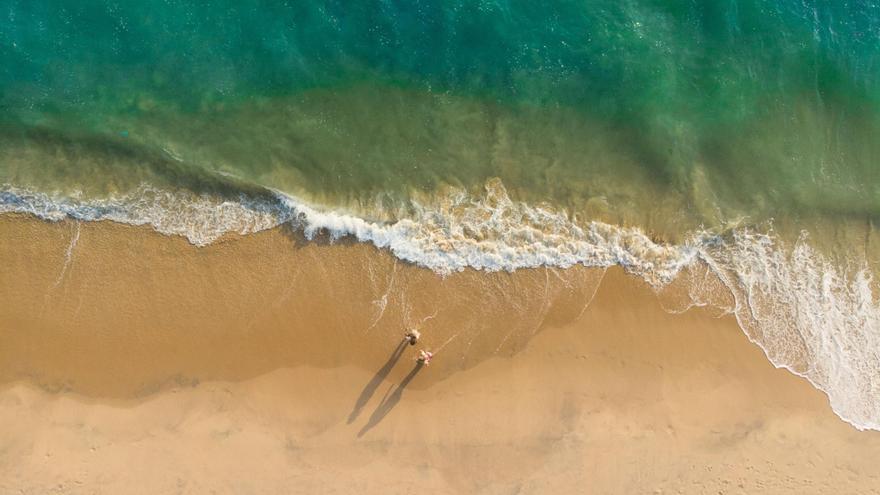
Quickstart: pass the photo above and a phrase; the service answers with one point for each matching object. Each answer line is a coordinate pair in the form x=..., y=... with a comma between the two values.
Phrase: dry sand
x=140, y=364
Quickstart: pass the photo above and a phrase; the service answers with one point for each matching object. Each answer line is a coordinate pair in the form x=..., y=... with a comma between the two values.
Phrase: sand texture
x=132, y=362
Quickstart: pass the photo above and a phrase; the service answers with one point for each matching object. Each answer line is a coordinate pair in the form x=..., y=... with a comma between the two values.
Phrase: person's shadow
x=377, y=380
x=388, y=404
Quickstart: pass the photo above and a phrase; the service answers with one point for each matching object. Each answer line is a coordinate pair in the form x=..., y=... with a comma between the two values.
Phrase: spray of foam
x=494, y=233
x=808, y=315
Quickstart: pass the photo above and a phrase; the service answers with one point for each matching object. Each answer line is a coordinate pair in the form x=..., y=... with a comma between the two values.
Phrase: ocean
x=726, y=147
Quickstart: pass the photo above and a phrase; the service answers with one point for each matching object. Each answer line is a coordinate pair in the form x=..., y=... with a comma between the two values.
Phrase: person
x=412, y=336
x=425, y=357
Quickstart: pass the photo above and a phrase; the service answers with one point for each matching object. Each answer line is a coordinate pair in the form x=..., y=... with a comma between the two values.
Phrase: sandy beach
x=133, y=362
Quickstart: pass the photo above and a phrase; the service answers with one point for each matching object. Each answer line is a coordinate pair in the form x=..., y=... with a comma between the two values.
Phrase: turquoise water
x=756, y=107
x=487, y=135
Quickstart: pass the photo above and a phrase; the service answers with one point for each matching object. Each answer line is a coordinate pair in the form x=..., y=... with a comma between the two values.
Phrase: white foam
x=201, y=219
x=808, y=315
x=494, y=233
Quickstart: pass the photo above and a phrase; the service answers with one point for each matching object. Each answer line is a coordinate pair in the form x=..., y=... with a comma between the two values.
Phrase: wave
x=811, y=317
x=454, y=232
x=201, y=218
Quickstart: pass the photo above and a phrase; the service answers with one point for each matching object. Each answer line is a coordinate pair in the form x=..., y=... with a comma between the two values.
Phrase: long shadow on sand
x=388, y=404
x=377, y=380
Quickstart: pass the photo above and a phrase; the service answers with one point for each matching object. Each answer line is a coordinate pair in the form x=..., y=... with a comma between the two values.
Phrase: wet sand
x=133, y=362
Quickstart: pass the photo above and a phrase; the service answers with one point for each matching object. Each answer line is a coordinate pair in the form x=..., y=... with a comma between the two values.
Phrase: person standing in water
x=412, y=336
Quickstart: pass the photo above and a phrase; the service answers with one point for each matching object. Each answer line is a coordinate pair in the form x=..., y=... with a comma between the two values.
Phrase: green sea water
x=712, y=110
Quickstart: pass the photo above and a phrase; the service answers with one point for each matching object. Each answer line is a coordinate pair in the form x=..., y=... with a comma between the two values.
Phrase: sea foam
x=816, y=319
x=202, y=219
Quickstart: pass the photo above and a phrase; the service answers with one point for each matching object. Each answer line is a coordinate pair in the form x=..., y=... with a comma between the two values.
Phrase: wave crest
x=202, y=219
